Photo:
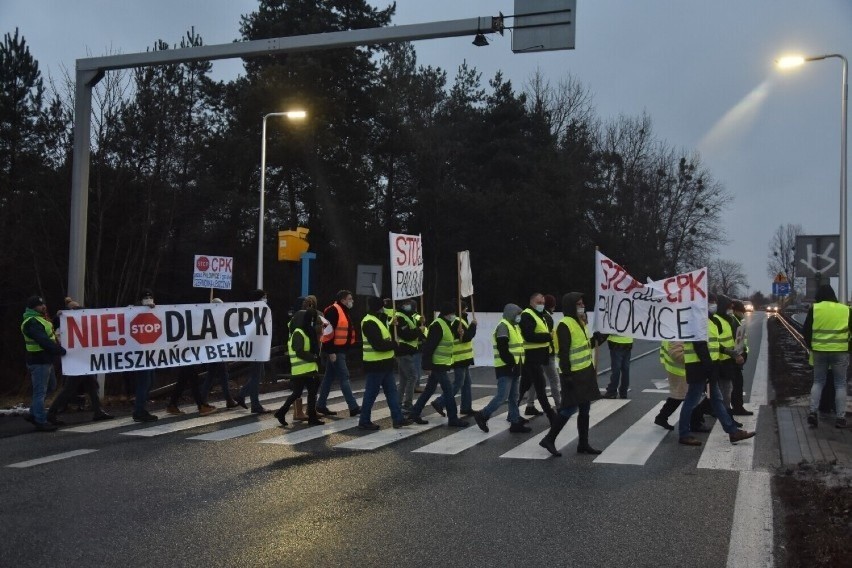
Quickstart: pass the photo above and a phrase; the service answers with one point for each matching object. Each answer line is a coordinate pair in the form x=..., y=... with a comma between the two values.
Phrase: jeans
x=551, y=373
x=337, y=368
x=693, y=398
x=507, y=389
x=144, y=380
x=43, y=376
x=839, y=363
x=620, y=362
x=380, y=380
x=408, y=375
x=252, y=386
x=461, y=381
x=418, y=366
x=437, y=377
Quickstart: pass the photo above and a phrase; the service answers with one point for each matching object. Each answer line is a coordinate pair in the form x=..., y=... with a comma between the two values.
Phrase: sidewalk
x=800, y=442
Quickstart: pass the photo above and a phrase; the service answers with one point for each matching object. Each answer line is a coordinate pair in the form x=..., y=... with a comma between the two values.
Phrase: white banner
x=673, y=309
x=465, y=274
x=139, y=337
x=213, y=272
x=406, y=261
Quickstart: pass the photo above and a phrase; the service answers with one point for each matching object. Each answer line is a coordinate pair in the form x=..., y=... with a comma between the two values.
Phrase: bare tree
x=782, y=253
x=727, y=277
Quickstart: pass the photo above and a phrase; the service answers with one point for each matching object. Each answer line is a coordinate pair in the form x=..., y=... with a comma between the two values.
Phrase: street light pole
x=794, y=61
x=292, y=115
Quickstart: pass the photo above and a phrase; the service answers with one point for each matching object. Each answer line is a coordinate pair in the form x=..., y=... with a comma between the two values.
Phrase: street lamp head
x=790, y=61
x=296, y=114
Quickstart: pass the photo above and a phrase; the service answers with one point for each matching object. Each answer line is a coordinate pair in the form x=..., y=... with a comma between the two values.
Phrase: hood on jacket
x=306, y=320
x=569, y=304
x=511, y=311
x=825, y=293
x=722, y=304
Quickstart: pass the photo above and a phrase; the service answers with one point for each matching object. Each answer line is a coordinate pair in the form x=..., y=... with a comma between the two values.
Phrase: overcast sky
x=702, y=70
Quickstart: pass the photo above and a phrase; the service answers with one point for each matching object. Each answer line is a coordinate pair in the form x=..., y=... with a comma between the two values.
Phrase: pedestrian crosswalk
x=635, y=445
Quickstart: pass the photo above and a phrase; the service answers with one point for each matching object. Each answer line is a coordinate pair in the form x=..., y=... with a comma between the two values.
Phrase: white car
x=749, y=307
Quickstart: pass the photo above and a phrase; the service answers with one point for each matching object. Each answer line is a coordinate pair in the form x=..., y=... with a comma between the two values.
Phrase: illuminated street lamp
x=795, y=61
x=291, y=115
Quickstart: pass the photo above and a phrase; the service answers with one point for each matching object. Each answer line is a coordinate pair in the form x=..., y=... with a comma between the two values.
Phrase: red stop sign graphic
x=203, y=263
x=146, y=328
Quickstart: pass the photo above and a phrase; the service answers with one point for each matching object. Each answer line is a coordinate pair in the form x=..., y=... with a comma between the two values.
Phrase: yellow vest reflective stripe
x=411, y=325
x=620, y=339
x=299, y=366
x=669, y=364
x=462, y=351
x=370, y=354
x=726, y=337
x=580, y=351
x=443, y=354
x=31, y=345
x=516, y=343
x=540, y=327
x=689, y=354
x=831, y=327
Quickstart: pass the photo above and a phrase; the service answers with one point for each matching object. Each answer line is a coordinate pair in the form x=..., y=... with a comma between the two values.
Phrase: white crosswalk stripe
x=720, y=453
x=530, y=450
x=638, y=442
x=467, y=438
x=314, y=432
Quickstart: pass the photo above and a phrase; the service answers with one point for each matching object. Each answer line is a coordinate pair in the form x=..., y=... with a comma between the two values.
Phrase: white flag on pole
x=465, y=274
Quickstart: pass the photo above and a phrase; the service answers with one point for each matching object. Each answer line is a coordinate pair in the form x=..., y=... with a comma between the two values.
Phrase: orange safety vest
x=340, y=338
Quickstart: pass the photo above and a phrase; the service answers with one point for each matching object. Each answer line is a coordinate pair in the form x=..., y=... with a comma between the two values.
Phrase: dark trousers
x=70, y=389
x=298, y=384
x=187, y=376
x=532, y=374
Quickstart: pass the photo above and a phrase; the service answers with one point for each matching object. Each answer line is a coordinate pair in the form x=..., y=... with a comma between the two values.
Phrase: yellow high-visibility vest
x=370, y=354
x=516, y=344
x=299, y=366
x=831, y=327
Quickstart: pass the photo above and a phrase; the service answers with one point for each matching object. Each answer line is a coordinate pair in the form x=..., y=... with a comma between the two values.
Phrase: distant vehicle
x=772, y=308
x=749, y=307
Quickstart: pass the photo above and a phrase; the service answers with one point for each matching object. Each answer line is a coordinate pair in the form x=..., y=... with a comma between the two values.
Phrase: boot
x=667, y=410
x=281, y=413
x=549, y=441
x=583, y=446
x=298, y=411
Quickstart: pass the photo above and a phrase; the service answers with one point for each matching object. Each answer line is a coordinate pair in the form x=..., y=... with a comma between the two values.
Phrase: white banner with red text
x=137, y=338
x=406, y=261
x=673, y=309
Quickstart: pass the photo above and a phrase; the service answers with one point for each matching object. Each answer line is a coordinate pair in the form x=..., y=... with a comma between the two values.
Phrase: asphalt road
x=170, y=500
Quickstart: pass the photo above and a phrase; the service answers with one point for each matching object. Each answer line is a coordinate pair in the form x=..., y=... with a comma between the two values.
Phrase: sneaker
x=740, y=435
x=144, y=417
x=101, y=415
x=840, y=423
x=174, y=410
x=45, y=427
x=609, y=395
x=407, y=406
x=481, y=421
x=368, y=426
x=813, y=419
x=260, y=410
x=279, y=415
x=206, y=409
x=532, y=411
x=326, y=411
x=458, y=423
x=438, y=408
x=354, y=411
x=524, y=420
x=623, y=396
x=405, y=422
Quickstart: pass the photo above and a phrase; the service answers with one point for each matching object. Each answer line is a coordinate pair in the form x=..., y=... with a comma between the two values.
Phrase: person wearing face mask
x=508, y=346
x=462, y=360
x=42, y=347
x=729, y=357
x=537, y=341
x=335, y=348
x=551, y=370
x=699, y=359
x=251, y=388
x=741, y=345
x=143, y=379
x=410, y=333
x=438, y=358
x=577, y=374
x=303, y=352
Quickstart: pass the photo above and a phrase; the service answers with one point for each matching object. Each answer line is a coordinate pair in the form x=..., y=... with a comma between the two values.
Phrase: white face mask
x=147, y=301
x=730, y=312
x=711, y=308
x=349, y=303
x=581, y=311
x=518, y=318
x=539, y=308
x=451, y=318
x=406, y=308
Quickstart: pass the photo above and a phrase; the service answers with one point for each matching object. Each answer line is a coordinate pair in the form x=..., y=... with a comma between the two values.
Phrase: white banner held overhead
x=406, y=262
x=465, y=275
x=139, y=337
x=213, y=272
x=673, y=309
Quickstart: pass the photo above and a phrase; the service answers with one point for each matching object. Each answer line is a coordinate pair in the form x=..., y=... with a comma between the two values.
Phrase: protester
x=144, y=379
x=251, y=388
x=188, y=376
x=462, y=360
x=303, y=352
x=729, y=357
x=551, y=369
x=410, y=333
x=537, y=339
x=217, y=371
x=42, y=347
x=508, y=347
x=620, y=348
x=336, y=349
x=671, y=357
x=741, y=346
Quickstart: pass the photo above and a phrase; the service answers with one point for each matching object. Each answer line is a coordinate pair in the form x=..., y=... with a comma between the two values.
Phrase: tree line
x=529, y=178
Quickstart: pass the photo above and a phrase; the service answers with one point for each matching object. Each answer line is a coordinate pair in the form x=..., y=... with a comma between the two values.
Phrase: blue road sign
x=781, y=288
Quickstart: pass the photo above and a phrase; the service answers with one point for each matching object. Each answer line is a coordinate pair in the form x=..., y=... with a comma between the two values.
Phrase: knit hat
x=257, y=295
x=34, y=301
x=447, y=308
x=71, y=303
x=549, y=302
x=375, y=304
x=216, y=301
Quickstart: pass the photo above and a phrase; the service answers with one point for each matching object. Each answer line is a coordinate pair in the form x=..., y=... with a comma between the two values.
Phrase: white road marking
x=314, y=432
x=467, y=438
x=751, y=544
x=657, y=391
x=53, y=458
x=530, y=450
x=638, y=442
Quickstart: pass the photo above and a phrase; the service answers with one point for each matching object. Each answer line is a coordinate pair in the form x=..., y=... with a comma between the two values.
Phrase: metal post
x=307, y=257
x=844, y=98
x=262, y=204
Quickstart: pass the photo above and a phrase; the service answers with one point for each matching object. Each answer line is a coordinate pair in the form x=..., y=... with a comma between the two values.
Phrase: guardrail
x=794, y=327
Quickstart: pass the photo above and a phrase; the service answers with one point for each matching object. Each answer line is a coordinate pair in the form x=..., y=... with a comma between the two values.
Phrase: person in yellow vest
x=379, y=347
x=438, y=358
x=729, y=357
x=699, y=359
x=826, y=333
x=42, y=347
x=578, y=378
x=537, y=340
x=671, y=357
x=462, y=360
x=410, y=333
x=508, y=346
x=741, y=346
x=335, y=349
x=303, y=351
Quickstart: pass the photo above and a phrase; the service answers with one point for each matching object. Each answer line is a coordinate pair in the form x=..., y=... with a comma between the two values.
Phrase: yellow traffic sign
x=780, y=277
